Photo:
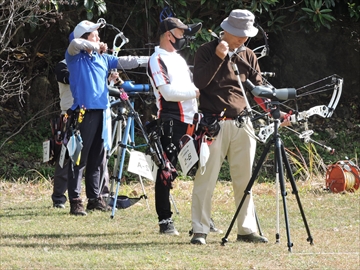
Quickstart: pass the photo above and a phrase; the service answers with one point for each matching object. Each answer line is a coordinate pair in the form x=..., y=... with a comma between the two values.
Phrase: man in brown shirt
x=221, y=97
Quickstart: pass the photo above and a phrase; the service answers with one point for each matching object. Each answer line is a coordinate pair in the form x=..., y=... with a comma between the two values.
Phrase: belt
x=225, y=118
x=219, y=117
x=94, y=110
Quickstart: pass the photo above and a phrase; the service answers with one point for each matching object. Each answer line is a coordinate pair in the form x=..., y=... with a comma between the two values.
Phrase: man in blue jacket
x=89, y=66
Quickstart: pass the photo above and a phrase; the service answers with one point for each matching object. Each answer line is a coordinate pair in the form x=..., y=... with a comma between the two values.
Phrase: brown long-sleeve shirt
x=218, y=84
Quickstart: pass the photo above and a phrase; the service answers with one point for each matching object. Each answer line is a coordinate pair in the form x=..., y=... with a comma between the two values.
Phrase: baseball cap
x=171, y=23
x=86, y=27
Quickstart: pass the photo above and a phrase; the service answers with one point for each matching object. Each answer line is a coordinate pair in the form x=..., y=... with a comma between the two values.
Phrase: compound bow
x=333, y=82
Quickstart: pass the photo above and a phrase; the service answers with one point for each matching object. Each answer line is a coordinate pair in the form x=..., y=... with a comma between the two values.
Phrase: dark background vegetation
x=308, y=40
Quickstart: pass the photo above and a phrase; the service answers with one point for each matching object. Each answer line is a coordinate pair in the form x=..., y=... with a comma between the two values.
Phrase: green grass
x=36, y=236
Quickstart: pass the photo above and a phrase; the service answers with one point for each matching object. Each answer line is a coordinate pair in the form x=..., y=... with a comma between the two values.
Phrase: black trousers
x=92, y=155
x=173, y=130
x=61, y=180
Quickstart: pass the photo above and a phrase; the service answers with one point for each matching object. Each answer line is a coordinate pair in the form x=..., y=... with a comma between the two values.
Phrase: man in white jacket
x=176, y=101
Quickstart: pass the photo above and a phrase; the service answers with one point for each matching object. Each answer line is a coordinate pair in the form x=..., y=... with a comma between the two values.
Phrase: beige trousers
x=239, y=148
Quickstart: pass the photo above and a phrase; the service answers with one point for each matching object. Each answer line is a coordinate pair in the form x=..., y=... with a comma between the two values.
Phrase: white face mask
x=204, y=154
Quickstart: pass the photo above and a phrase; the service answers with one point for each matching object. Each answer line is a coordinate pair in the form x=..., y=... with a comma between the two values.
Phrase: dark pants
x=92, y=155
x=61, y=180
x=173, y=130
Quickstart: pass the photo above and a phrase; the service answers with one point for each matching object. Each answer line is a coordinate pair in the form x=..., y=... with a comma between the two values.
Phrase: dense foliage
x=33, y=37
x=26, y=25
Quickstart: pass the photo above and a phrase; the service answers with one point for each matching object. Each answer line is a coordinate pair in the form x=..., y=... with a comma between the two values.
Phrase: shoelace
x=166, y=221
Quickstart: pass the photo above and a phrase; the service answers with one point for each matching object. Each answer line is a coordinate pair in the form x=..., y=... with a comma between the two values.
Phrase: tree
x=24, y=26
x=14, y=50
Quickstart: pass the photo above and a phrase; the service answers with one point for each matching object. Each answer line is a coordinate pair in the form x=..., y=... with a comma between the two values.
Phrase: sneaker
x=77, y=208
x=198, y=239
x=58, y=204
x=167, y=227
x=213, y=228
x=252, y=238
x=97, y=204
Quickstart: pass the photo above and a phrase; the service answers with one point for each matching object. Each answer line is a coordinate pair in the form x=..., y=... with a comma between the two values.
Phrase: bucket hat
x=240, y=23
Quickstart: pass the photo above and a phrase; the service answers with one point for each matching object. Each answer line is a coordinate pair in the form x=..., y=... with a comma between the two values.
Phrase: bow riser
x=124, y=40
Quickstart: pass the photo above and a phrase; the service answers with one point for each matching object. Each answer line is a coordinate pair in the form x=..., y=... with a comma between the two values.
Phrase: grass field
x=36, y=236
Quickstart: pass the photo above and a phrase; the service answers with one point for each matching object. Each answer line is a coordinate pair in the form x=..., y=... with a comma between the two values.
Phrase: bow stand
x=122, y=114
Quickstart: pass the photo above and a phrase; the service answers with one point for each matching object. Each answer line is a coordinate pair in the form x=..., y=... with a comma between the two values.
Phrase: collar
x=163, y=51
x=237, y=50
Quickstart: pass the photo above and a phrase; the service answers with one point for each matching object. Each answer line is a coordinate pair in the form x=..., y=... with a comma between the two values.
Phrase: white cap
x=86, y=27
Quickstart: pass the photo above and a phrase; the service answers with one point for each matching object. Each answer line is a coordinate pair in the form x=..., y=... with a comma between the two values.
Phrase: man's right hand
x=197, y=93
x=222, y=49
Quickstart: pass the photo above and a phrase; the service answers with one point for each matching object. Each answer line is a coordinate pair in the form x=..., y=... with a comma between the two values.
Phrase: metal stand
x=124, y=139
x=280, y=159
x=127, y=114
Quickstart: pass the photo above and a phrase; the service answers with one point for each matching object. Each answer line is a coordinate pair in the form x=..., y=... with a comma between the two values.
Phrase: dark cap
x=171, y=23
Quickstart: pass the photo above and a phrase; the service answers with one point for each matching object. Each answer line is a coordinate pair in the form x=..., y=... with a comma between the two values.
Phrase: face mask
x=203, y=155
x=179, y=42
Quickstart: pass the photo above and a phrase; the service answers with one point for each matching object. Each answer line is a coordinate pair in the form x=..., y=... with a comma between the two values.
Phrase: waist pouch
x=209, y=125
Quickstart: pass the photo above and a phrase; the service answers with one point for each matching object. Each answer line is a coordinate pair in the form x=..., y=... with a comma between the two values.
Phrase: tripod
x=122, y=138
x=280, y=159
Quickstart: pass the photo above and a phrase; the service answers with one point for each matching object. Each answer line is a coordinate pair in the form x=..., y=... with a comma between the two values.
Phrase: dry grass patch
x=36, y=236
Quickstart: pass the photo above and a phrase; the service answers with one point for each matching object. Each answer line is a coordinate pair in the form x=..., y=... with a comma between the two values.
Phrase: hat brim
x=90, y=29
x=96, y=26
x=193, y=29
x=252, y=32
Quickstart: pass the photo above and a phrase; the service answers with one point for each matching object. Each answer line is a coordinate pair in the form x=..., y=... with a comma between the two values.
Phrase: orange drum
x=344, y=175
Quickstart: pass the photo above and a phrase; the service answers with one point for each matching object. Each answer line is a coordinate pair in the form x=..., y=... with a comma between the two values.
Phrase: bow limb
x=336, y=94
x=322, y=110
x=263, y=50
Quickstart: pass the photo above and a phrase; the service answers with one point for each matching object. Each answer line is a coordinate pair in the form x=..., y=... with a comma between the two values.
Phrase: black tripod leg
x=278, y=158
x=277, y=235
x=295, y=192
x=247, y=191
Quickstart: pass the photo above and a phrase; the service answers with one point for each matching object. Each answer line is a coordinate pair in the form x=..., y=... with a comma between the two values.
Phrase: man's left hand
x=284, y=118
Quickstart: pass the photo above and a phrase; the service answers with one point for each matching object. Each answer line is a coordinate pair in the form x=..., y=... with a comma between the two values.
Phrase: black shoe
x=167, y=227
x=77, y=208
x=252, y=238
x=97, y=204
x=198, y=239
x=58, y=204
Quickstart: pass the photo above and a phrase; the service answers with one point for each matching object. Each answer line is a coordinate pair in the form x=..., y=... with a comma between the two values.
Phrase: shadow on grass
x=38, y=211
x=31, y=211
x=62, y=235
x=114, y=244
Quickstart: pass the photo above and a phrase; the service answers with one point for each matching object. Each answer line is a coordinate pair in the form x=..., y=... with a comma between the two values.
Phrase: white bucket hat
x=240, y=23
x=86, y=27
